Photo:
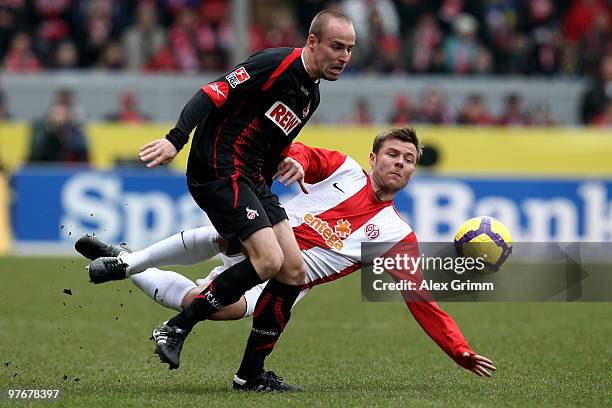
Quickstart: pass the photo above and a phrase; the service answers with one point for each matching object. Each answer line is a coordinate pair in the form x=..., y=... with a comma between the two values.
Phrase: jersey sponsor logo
x=237, y=77
x=372, y=231
x=303, y=89
x=332, y=236
x=217, y=92
x=343, y=228
x=283, y=117
x=251, y=214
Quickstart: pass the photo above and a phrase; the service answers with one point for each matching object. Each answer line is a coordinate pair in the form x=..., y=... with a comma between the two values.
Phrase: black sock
x=271, y=315
x=225, y=289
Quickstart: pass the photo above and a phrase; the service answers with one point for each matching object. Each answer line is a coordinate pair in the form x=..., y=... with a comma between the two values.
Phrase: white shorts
x=252, y=295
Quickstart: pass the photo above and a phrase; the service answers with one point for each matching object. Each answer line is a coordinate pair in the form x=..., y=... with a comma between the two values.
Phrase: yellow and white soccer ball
x=485, y=238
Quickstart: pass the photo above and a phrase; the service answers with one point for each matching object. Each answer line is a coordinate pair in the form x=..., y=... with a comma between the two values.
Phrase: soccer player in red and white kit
x=345, y=207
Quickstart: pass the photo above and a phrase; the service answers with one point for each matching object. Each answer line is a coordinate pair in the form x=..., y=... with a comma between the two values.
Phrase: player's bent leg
x=167, y=288
x=293, y=269
x=224, y=291
x=265, y=253
x=185, y=248
x=273, y=309
x=235, y=311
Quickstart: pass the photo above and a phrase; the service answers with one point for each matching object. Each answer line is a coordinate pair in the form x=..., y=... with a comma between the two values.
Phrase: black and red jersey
x=259, y=108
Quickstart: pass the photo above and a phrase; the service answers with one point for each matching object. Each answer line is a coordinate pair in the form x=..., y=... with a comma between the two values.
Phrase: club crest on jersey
x=372, y=231
x=305, y=111
x=217, y=92
x=251, y=214
x=237, y=77
x=331, y=236
x=283, y=117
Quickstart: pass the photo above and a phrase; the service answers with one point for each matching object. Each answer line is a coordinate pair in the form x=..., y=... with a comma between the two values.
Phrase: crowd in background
x=564, y=38
x=464, y=37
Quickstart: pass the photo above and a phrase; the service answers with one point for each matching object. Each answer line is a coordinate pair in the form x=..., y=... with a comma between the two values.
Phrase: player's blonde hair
x=319, y=22
x=405, y=134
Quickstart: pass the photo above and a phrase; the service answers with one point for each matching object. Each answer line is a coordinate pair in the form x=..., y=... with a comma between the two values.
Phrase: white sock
x=185, y=248
x=165, y=287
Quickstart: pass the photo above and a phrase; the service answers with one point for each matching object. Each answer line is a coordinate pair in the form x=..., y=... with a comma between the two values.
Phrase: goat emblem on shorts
x=251, y=214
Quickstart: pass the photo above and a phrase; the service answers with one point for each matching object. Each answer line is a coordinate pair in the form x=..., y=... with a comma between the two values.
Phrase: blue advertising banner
x=53, y=206
x=56, y=206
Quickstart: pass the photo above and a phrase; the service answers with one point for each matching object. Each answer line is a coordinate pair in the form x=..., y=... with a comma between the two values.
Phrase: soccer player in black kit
x=243, y=121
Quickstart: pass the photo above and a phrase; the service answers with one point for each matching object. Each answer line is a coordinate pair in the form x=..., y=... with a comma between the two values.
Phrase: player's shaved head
x=405, y=134
x=322, y=19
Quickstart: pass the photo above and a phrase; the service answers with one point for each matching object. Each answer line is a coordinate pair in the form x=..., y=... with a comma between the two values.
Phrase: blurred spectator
x=604, y=119
x=215, y=34
x=433, y=109
x=361, y=114
x=474, y=112
x=581, y=18
x=518, y=60
x=465, y=37
x=483, y=65
x=423, y=45
x=403, y=111
x=98, y=22
x=182, y=36
x=66, y=56
x=4, y=110
x=52, y=26
x=595, y=43
x=500, y=24
x=359, y=12
x=570, y=64
x=377, y=27
x=600, y=91
x=112, y=58
x=546, y=50
x=128, y=110
x=145, y=38
x=513, y=114
x=541, y=115
x=461, y=48
x=11, y=21
x=162, y=61
x=274, y=25
x=381, y=51
x=20, y=57
x=65, y=96
x=200, y=41
x=56, y=138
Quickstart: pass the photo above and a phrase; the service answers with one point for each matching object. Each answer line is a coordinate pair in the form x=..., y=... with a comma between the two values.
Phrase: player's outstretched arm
x=162, y=151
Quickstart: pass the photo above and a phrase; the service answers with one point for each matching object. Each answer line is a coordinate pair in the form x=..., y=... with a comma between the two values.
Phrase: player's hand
x=480, y=365
x=157, y=152
x=290, y=171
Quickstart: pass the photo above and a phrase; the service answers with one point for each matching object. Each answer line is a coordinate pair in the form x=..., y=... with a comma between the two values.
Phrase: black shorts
x=237, y=206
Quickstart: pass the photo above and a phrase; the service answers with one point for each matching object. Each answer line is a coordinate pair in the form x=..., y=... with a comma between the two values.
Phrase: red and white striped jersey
x=330, y=223
x=339, y=213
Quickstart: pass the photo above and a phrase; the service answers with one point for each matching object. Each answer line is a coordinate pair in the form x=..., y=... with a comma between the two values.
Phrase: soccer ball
x=485, y=238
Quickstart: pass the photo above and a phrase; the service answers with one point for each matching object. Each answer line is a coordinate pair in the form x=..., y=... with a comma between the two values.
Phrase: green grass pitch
x=93, y=346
